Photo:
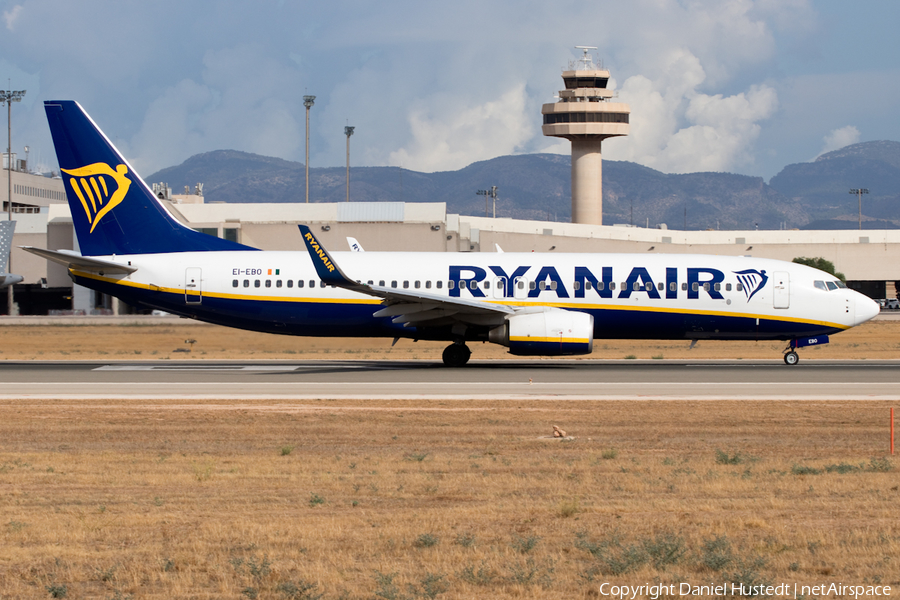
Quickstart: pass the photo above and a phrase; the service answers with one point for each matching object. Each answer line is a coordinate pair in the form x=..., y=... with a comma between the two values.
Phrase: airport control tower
x=585, y=116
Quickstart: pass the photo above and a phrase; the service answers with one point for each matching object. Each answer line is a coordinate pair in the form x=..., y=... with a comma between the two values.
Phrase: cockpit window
x=831, y=285
x=841, y=284
x=820, y=285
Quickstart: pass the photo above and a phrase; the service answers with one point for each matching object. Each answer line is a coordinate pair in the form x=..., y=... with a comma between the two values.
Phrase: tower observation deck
x=585, y=116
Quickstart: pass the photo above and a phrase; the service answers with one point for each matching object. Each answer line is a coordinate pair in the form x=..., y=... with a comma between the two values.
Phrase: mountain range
x=813, y=195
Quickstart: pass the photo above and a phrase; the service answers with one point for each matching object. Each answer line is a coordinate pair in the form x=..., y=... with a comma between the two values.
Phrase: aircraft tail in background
x=113, y=210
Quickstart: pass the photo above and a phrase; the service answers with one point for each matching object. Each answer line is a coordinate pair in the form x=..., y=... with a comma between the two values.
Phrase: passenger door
x=193, y=292
x=781, y=295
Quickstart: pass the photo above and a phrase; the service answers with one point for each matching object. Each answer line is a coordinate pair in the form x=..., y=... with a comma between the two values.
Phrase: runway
x=198, y=380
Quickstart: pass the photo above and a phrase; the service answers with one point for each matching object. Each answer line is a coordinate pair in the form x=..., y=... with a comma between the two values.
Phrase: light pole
x=491, y=193
x=348, y=131
x=308, y=102
x=859, y=192
x=9, y=97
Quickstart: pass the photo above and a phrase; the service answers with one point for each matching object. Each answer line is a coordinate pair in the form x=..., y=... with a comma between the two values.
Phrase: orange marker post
x=892, y=431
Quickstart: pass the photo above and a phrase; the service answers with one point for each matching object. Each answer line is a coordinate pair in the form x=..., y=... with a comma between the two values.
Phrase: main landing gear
x=456, y=355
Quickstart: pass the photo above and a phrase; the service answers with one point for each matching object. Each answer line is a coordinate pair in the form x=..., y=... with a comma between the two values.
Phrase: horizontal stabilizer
x=77, y=261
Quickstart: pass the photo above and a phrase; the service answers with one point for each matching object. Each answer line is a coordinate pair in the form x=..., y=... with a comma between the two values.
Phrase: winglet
x=326, y=268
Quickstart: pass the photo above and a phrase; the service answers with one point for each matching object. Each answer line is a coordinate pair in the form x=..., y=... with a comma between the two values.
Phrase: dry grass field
x=439, y=499
x=879, y=339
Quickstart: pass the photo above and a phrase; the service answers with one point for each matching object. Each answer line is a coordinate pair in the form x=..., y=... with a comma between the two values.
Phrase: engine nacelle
x=553, y=332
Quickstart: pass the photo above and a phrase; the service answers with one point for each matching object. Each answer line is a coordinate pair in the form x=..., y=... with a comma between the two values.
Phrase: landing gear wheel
x=456, y=355
x=791, y=358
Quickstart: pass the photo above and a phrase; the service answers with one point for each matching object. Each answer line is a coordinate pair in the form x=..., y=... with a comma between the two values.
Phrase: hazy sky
x=714, y=85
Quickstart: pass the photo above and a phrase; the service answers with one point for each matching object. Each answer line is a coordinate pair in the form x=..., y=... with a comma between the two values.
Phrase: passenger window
x=684, y=287
x=393, y=284
x=648, y=286
x=246, y=283
x=727, y=287
x=739, y=287
x=312, y=283
x=290, y=283
x=612, y=285
x=673, y=286
x=473, y=284
x=532, y=285
x=487, y=285
x=831, y=285
x=427, y=284
x=234, y=283
x=576, y=286
x=624, y=286
x=370, y=282
x=268, y=283
x=450, y=285
x=520, y=284
x=543, y=285
x=278, y=283
x=439, y=284
x=405, y=285
x=299, y=283
x=717, y=287
x=256, y=283
x=381, y=282
x=695, y=286
x=587, y=285
x=418, y=284
x=660, y=286
x=552, y=285
x=636, y=286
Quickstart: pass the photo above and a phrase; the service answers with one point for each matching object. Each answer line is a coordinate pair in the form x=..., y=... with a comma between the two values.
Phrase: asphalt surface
x=381, y=380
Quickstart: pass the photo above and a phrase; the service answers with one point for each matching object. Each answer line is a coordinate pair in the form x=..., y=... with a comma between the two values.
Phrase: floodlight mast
x=859, y=192
x=348, y=131
x=8, y=97
x=308, y=102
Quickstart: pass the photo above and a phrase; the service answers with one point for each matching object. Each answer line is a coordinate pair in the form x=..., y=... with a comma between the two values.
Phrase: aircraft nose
x=866, y=309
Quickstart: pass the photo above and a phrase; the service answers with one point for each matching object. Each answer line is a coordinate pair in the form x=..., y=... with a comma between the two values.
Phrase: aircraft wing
x=406, y=306
x=72, y=260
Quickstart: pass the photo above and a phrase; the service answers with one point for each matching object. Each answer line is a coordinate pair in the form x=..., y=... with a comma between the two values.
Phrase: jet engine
x=551, y=332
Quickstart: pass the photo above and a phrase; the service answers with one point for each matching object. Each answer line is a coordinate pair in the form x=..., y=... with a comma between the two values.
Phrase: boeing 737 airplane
x=535, y=304
x=7, y=228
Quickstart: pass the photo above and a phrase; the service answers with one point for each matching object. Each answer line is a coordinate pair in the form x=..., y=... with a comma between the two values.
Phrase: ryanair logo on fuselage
x=99, y=188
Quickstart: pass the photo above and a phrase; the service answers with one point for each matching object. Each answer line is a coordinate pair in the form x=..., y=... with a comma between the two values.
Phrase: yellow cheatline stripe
x=554, y=340
x=564, y=305
x=180, y=291
x=680, y=311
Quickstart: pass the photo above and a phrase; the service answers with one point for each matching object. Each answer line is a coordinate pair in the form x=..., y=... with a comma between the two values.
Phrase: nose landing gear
x=791, y=357
x=790, y=353
x=456, y=355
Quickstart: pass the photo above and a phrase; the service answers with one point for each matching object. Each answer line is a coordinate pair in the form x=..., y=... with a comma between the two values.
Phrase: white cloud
x=10, y=16
x=450, y=137
x=838, y=138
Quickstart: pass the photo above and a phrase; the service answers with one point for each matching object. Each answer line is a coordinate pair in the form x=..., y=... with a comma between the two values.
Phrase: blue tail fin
x=113, y=210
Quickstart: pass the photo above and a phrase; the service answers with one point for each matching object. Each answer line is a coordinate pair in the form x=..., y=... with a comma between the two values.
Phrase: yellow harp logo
x=92, y=185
